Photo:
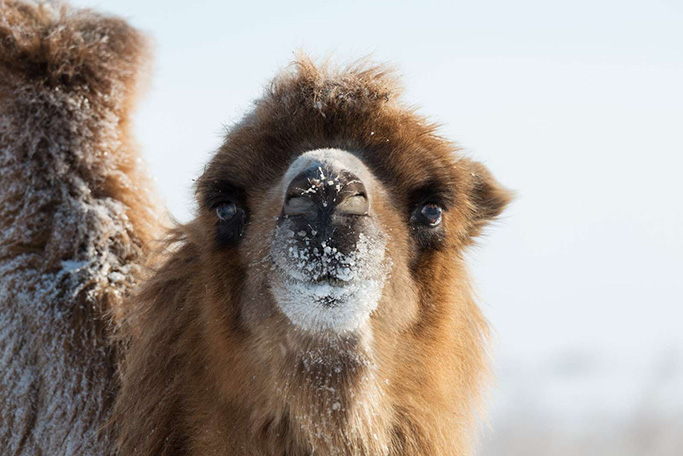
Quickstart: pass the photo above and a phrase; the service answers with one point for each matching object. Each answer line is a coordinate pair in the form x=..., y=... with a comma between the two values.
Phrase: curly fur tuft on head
x=361, y=84
x=75, y=221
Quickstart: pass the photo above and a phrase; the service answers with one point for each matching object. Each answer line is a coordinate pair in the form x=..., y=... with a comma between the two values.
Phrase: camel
x=318, y=303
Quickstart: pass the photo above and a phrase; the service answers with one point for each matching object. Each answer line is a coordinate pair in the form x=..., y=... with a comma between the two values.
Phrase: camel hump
x=67, y=49
x=75, y=221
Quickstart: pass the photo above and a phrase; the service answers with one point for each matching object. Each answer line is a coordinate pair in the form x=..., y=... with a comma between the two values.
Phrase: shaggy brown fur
x=216, y=368
x=75, y=222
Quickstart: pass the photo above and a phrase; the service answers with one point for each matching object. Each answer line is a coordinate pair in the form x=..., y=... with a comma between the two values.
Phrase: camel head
x=338, y=206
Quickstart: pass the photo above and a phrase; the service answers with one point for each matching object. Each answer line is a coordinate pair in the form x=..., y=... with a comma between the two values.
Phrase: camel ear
x=488, y=198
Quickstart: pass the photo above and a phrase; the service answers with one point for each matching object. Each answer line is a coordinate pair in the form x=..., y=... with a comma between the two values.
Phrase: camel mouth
x=326, y=307
x=304, y=263
x=321, y=281
x=327, y=289
x=332, y=281
x=329, y=293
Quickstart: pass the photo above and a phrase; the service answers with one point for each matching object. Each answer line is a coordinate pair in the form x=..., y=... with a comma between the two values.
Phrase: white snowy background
x=578, y=106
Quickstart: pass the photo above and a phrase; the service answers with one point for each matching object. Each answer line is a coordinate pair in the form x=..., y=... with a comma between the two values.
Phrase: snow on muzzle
x=328, y=249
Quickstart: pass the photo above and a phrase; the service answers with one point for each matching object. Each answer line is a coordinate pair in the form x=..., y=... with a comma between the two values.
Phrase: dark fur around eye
x=437, y=198
x=427, y=236
x=436, y=192
x=228, y=229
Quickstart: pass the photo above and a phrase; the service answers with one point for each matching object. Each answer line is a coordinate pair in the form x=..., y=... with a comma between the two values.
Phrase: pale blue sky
x=576, y=105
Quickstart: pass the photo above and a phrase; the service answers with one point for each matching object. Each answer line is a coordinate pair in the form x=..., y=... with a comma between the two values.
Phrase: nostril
x=354, y=205
x=323, y=189
x=300, y=205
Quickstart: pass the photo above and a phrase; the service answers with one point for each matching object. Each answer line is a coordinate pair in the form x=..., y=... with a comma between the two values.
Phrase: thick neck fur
x=287, y=391
x=327, y=394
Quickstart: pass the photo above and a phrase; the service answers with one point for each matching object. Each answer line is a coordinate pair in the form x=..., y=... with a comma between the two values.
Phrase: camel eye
x=431, y=214
x=226, y=211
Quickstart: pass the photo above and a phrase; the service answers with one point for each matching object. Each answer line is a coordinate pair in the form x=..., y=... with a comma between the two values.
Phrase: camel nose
x=323, y=190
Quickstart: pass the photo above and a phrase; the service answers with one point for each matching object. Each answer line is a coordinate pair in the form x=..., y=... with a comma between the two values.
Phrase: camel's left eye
x=431, y=214
x=226, y=211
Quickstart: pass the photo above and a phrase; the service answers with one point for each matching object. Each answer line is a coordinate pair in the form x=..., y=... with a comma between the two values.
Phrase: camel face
x=331, y=240
x=322, y=244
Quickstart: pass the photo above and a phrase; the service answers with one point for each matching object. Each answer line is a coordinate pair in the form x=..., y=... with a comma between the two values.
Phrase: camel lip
x=322, y=281
x=329, y=279
x=345, y=277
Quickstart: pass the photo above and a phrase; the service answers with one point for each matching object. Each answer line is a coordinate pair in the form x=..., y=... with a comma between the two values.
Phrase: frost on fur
x=320, y=306
x=73, y=222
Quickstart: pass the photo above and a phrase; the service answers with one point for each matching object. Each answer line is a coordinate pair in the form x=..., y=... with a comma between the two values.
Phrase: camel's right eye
x=426, y=224
x=431, y=214
x=226, y=211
